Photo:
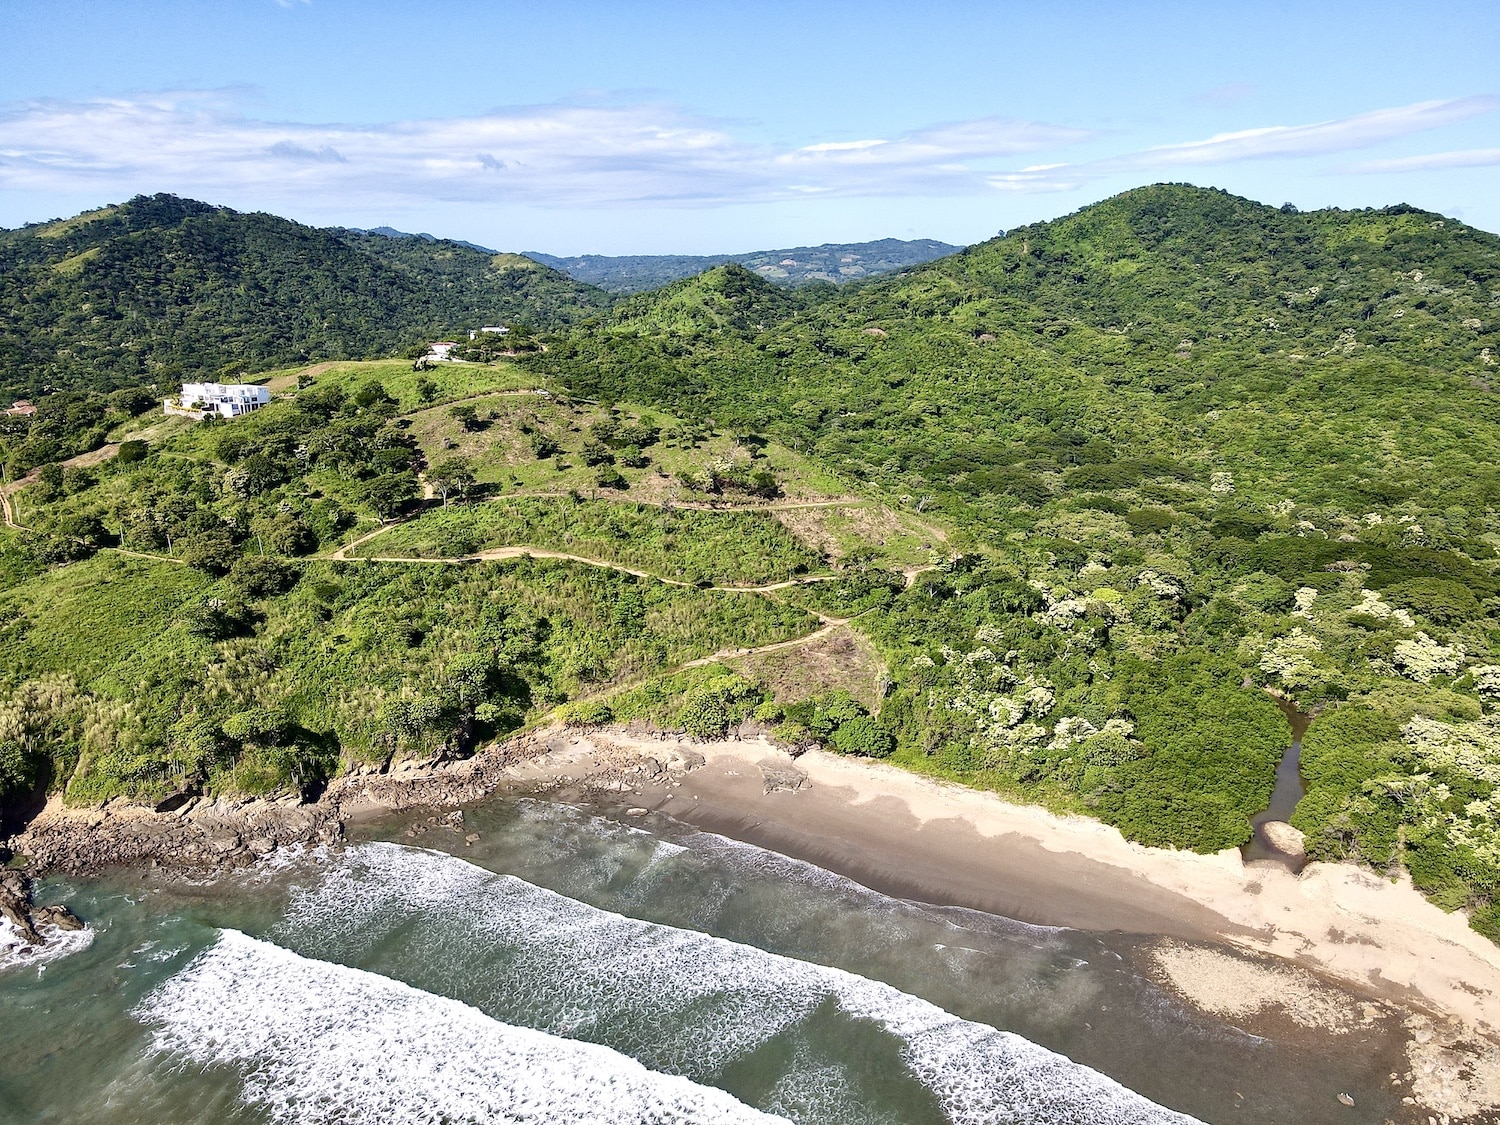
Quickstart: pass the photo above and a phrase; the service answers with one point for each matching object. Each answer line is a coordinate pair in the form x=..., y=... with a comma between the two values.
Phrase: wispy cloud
x=1321, y=139
x=548, y=155
x=1464, y=158
x=1324, y=138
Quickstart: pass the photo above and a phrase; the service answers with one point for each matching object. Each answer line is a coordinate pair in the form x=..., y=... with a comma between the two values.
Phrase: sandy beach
x=1320, y=947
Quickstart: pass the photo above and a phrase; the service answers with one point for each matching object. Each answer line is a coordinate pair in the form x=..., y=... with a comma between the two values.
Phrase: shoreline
x=946, y=844
x=1262, y=939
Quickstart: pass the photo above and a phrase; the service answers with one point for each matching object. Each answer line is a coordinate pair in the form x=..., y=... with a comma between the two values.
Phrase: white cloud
x=552, y=155
x=1465, y=158
x=1324, y=138
x=600, y=155
x=1359, y=131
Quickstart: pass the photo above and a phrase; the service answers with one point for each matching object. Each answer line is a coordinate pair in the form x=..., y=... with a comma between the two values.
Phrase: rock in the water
x=1344, y=1099
x=15, y=905
x=1284, y=838
x=59, y=916
x=16, y=908
x=635, y=812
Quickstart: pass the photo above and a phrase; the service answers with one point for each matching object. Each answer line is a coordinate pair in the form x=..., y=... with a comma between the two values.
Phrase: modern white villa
x=228, y=400
x=493, y=329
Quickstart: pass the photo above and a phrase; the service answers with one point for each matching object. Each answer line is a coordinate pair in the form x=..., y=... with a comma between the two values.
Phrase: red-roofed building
x=22, y=408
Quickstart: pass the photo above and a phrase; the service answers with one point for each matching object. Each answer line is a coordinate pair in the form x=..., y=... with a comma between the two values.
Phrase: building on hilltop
x=227, y=400
x=21, y=409
x=494, y=329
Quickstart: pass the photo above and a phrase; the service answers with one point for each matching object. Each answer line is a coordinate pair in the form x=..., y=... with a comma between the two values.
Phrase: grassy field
x=843, y=660
x=697, y=547
x=452, y=380
x=84, y=619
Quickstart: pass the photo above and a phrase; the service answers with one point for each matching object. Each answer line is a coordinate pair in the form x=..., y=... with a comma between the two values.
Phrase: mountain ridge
x=830, y=263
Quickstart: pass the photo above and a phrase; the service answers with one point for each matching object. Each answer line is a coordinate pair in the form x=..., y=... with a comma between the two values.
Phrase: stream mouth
x=1275, y=840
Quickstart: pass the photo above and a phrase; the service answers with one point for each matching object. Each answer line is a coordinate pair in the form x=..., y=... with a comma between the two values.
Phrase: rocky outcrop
x=17, y=909
x=198, y=834
x=194, y=834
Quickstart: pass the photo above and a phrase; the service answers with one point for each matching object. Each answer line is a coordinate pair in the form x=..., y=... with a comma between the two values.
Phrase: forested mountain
x=162, y=287
x=1172, y=317
x=832, y=262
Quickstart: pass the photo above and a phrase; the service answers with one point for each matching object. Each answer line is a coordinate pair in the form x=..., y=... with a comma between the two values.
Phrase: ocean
x=568, y=967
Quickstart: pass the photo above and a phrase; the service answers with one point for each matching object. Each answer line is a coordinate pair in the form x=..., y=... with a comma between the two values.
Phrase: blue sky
x=628, y=127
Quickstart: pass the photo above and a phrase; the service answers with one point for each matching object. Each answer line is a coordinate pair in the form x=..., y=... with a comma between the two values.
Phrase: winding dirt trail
x=500, y=554
x=829, y=625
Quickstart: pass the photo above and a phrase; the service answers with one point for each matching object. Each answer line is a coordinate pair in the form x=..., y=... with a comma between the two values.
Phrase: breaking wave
x=319, y=1043
x=682, y=1001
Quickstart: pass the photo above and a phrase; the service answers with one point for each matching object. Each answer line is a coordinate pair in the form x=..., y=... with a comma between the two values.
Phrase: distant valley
x=833, y=262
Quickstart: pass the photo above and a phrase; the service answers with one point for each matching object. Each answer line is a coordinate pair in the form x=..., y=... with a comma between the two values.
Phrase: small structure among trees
x=227, y=400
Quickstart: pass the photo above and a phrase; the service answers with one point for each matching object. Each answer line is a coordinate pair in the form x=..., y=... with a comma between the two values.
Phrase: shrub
x=710, y=708
x=863, y=735
x=587, y=713
x=130, y=452
x=261, y=577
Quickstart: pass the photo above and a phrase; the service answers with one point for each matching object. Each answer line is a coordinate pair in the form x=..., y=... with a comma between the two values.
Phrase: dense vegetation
x=832, y=262
x=1141, y=467
x=144, y=677
x=162, y=287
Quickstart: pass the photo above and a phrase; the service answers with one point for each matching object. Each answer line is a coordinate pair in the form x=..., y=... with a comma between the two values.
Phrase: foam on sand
x=701, y=1001
x=315, y=1042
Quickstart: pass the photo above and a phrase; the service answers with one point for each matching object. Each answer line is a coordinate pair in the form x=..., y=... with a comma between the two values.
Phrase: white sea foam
x=56, y=943
x=314, y=1042
x=701, y=1001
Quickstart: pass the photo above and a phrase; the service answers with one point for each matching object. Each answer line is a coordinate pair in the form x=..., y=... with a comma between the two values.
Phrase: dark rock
x=175, y=801
x=59, y=916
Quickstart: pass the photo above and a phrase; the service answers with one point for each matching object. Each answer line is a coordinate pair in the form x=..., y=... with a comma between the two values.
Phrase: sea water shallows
x=315, y=1042
x=682, y=1001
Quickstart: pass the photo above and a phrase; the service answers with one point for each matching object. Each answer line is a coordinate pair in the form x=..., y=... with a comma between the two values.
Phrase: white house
x=228, y=400
x=441, y=349
x=495, y=329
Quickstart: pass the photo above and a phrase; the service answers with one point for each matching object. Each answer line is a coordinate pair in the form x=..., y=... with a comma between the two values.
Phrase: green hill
x=162, y=287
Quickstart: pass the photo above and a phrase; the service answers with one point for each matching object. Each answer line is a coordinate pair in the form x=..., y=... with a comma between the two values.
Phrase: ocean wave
x=684, y=1001
x=315, y=1042
x=56, y=943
